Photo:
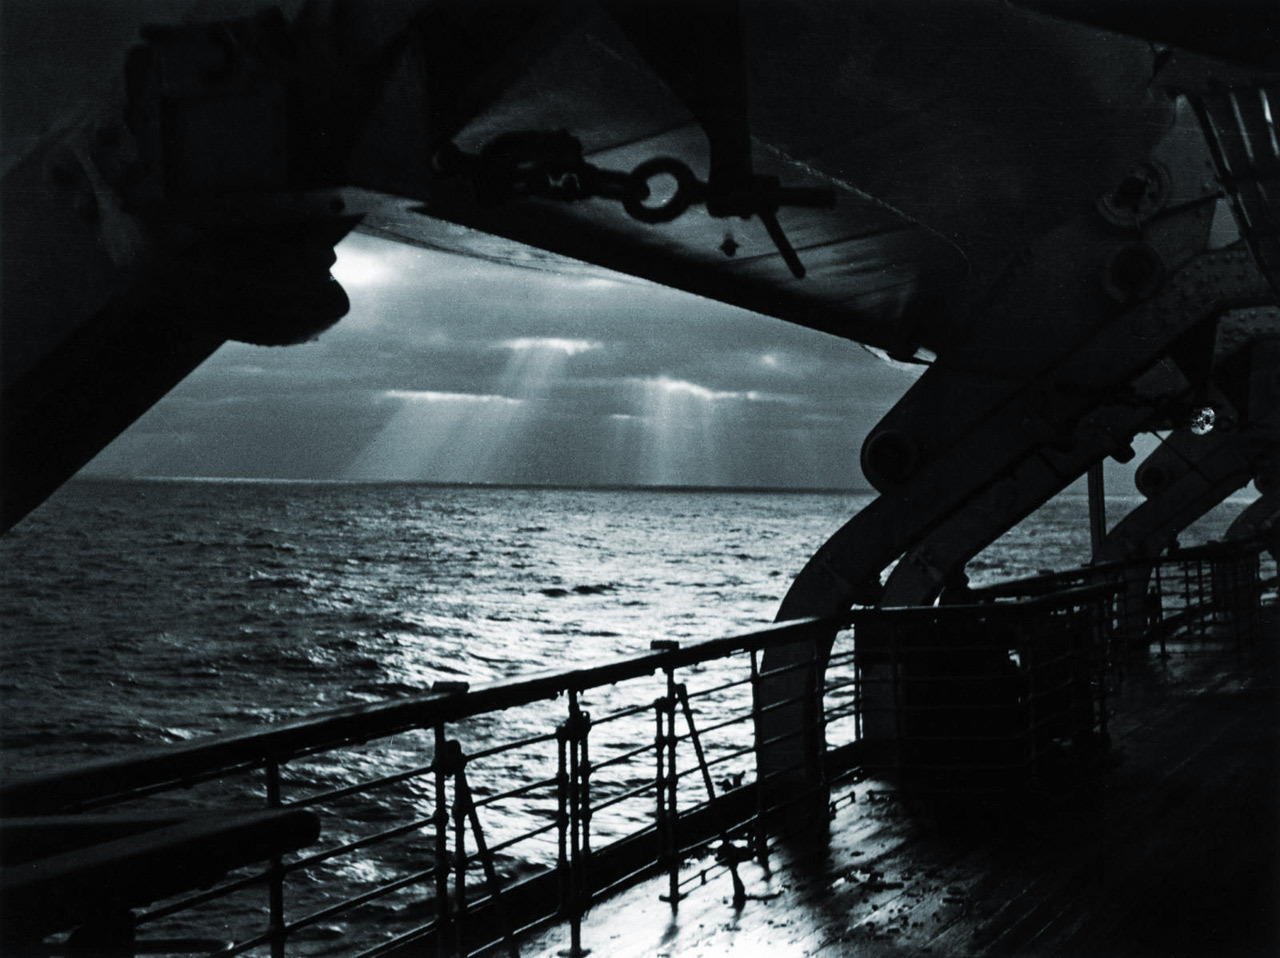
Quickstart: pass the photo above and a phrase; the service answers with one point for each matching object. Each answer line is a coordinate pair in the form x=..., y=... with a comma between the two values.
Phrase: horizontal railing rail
x=1045, y=583
x=1196, y=594
x=109, y=779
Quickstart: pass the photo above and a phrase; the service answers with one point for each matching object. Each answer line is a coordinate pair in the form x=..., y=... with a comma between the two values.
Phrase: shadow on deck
x=1173, y=850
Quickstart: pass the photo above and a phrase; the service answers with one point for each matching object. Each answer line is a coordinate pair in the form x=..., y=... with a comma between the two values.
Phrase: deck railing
x=487, y=802
x=453, y=820
x=985, y=698
x=1188, y=599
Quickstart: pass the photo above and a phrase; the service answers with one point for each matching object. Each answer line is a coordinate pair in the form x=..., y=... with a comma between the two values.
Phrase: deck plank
x=1172, y=851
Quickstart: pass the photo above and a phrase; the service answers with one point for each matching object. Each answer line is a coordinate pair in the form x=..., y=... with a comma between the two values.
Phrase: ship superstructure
x=1066, y=211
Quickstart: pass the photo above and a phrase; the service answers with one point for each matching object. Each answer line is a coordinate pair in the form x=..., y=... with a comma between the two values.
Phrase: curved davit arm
x=1193, y=471
x=1100, y=332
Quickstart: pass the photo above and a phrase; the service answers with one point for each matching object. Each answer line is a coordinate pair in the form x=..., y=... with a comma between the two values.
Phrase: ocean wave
x=602, y=588
x=388, y=689
x=260, y=580
x=587, y=633
x=271, y=546
x=422, y=628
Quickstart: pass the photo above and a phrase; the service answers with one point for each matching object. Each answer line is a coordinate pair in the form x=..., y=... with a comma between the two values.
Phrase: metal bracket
x=550, y=165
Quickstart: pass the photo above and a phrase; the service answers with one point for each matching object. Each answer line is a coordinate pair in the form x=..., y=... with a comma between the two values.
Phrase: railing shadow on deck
x=454, y=820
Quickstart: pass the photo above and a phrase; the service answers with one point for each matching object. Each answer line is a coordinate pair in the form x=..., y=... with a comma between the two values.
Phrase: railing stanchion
x=761, y=834
x=673, y=790
x=859, y=693
x=275, y=895
x=669, y=807
x=579, y=814
x=459, y=853
x=584, y=766
x=660, y=786
x=562, y=818
x=816, y=716
x=441, y=820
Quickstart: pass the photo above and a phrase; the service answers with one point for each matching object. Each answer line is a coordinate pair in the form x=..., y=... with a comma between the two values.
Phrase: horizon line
x=603, y=487
x=1243, y=495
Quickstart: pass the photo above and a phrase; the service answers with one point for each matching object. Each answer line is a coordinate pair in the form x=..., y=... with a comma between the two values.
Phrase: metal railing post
x=579, y=816
x=584, y=769
x=859, y=692
x=673, y=787
x=815, y=719
x=660, y=785
x=761, y=834
x=899, y=718
x=459, y=856
x=441, y=821
x=1186, y=597
x=562, y=819
x=667, y=784
x=1159, y=623
x=275, y=905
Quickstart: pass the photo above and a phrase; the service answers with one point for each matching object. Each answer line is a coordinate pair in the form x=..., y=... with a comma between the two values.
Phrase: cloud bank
x=457, y=370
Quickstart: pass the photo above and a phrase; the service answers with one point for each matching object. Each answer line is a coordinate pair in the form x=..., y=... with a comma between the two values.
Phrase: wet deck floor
x=1174, y=851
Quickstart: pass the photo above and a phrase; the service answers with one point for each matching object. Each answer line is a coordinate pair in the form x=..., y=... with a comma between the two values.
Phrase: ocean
x=136, y=614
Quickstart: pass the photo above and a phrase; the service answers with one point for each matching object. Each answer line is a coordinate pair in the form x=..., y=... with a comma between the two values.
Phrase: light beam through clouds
x=467, y=437
x=453, y=369
x=438, y=437
x=538, y=363
x=684, y=426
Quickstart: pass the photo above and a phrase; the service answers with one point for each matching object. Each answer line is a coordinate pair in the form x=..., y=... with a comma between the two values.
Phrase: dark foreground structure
x=1065, y=210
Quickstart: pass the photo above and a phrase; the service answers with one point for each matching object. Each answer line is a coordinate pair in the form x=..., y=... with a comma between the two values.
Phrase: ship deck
x=1173, y=849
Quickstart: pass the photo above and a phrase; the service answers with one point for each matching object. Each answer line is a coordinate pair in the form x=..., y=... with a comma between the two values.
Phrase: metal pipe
x=739, y=892
x=486, y=858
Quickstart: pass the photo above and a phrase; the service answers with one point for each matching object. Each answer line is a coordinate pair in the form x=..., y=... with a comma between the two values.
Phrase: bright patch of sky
x=461, y=370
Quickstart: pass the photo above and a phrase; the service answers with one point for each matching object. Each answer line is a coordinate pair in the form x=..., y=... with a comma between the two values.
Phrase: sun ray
x=438, y=437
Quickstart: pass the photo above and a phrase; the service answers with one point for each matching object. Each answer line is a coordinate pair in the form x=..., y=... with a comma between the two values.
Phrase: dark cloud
x=449, y=368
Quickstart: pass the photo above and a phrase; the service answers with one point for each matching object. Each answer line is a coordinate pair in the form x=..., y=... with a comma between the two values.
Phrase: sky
x=452, y=369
